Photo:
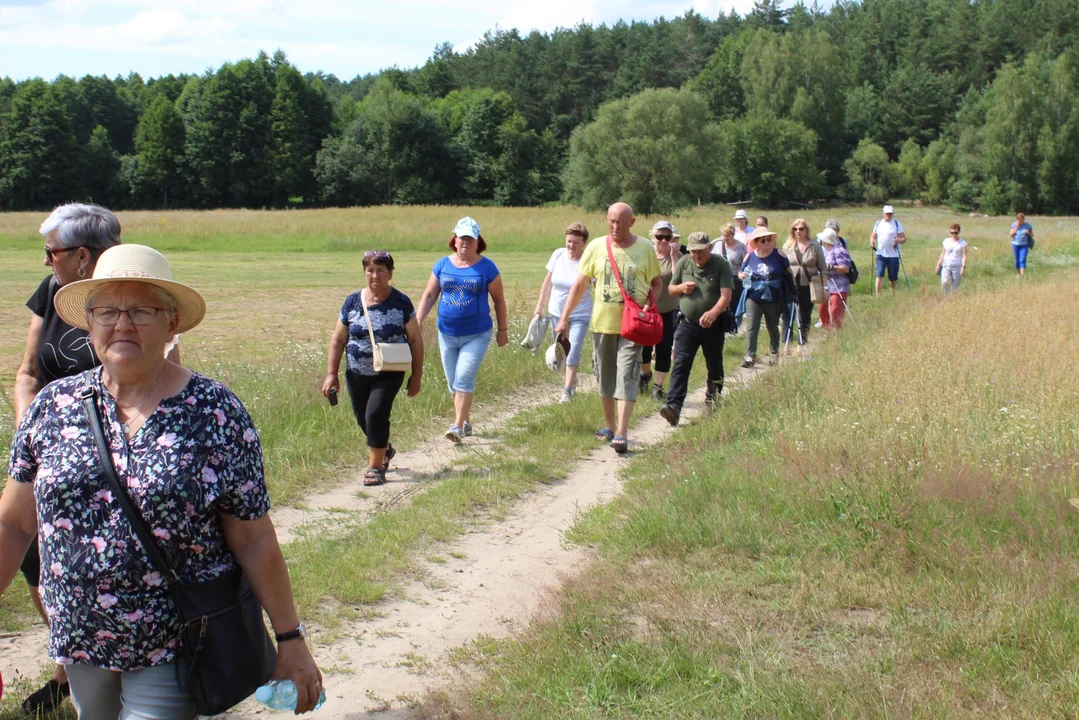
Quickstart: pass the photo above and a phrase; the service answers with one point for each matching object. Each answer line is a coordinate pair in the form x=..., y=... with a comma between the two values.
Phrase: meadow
x=750, y=569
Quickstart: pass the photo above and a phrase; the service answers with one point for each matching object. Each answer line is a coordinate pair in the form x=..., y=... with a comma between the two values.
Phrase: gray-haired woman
x=75, y=235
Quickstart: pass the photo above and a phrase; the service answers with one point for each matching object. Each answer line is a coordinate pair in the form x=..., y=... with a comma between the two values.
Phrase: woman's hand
x=414, y=381
x=330, y=383
x=294, y=662
x=743, y=275
x=502, y=337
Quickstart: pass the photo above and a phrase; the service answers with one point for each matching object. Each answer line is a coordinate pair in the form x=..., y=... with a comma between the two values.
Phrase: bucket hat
x=130, y=263
x=557, y=353
x=827, y=237
x=740, y=215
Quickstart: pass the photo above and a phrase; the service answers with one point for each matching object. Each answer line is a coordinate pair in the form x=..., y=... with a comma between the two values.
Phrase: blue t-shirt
x=1022, y=234
x=765, y=281
x=388, y=320
x=463, y=307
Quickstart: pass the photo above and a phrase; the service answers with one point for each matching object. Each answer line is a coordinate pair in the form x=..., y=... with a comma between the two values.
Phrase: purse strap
x=367, y=317
x=618, y=277
x=138, y=523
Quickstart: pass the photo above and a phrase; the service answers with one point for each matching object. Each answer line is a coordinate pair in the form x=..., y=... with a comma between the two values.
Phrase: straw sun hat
x=130, y=263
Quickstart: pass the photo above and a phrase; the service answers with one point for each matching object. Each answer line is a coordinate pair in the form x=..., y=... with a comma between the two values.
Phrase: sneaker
x=798, y=351
x=658, y=393
x=454, y=434
x=670, y=413
x=773, y=359
x=711, y=401
x=820, y=323
x=466, y=429
x=567, y=395
x=645, y=381
x=748, y=360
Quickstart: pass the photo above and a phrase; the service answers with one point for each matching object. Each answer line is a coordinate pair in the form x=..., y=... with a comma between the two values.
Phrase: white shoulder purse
x=386, y=357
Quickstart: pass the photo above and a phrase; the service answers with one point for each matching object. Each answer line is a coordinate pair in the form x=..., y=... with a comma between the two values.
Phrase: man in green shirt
x=703, y=282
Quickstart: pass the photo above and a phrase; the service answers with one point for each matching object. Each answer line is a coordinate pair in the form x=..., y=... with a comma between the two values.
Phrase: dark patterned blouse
x=196, y=456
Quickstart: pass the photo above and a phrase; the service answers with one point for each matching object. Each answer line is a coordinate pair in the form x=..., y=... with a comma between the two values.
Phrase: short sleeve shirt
x=953, y=252
x=196, y=456
x=388, y=320
x=1022, y=234
x=766, y=277
x=63, y=350
x=638, y=267
x=463, y=307
x=564, y=273
x=734, y=256
x=665, y=302
x=710, y=279
x=887, y=231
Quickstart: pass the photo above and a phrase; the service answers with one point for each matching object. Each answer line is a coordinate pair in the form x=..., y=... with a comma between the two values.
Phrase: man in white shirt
x=887, y=236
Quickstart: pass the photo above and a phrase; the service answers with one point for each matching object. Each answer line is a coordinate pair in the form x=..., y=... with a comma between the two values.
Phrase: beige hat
x=761, y=232
x=130, y=263
x=827, y=237
x=698, y=241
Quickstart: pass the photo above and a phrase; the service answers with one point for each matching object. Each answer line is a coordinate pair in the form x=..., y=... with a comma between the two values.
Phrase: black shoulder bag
x=225, y=652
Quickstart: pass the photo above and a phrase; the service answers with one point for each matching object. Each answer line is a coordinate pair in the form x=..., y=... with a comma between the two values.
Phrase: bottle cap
x=264, y=694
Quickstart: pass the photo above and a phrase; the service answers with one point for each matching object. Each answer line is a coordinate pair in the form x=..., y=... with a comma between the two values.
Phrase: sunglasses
x=50, y=252
x=801, y=229
x=954, y=232
x=766, y=239
x=664, y=238
x=375, y=254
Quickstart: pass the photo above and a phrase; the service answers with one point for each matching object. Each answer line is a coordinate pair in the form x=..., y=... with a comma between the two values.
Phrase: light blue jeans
x=461, y=358
x=148, y=694
x=578, y=329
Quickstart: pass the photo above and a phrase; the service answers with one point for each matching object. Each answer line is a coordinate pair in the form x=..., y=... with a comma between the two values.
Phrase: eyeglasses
x=109, y=316
x=664, y=238
x=378, y=253
x=49, y=252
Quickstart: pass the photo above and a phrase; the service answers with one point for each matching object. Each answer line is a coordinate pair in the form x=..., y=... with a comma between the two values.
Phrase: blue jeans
x=891, y=264
x=1020, y=256
x=461, y=358
x=151, y=693
x=578, y=329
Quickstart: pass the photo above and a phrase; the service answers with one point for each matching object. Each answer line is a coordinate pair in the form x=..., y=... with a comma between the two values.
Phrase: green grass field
x=916, y=559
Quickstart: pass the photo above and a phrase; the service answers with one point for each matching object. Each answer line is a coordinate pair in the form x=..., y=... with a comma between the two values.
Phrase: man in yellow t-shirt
x=617, y=360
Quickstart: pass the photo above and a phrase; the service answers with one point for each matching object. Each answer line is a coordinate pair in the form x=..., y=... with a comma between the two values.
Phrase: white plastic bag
x=535, y=335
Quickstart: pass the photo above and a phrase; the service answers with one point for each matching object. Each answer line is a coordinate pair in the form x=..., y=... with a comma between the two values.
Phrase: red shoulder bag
x=643, y=327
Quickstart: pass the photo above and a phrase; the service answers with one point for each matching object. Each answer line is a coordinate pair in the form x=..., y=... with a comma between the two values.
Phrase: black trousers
x=805, y=317
x=663, y=350
x=372, y=402
x=687, y=338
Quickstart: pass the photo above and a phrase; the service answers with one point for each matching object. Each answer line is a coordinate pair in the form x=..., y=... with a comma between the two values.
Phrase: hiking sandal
x=620, y=444
x=605, y=434
x=390, y=452
x=374, y=477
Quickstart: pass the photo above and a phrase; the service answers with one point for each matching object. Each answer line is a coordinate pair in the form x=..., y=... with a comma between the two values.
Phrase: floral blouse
x=196, y=456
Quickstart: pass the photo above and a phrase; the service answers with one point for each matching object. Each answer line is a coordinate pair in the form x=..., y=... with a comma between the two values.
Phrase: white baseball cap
x=740, y=215
x=466, y=226
x=889, y=210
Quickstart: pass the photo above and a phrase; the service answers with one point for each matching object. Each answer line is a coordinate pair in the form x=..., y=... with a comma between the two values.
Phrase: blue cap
x=467, y=226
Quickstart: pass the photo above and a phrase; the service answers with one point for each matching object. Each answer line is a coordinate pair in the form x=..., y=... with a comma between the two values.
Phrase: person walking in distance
x=952, y=264
x=703, y=284
x=617, y=360
x=887, y=236
x=741, y=226
x=1022, y=235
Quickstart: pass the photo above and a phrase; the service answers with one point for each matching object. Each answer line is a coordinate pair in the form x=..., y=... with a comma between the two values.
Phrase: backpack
x=852, y=274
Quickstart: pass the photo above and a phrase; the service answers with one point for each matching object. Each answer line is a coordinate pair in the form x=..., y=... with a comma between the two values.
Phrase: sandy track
x=498, y=578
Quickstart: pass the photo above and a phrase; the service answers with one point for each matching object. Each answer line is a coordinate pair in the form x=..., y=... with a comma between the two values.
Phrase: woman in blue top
x=462, y=281
x=767, y=275
x=1022, y=235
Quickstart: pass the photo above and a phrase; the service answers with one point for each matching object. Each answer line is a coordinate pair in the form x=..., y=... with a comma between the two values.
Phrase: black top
x=63, y=350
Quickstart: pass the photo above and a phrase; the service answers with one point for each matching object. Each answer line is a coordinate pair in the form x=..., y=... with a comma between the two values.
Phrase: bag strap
x=614, y=269
x=368, y=319
x=138, y=523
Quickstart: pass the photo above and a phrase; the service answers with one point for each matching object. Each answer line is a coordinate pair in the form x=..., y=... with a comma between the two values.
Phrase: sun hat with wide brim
x=761, y=232
x=130, y=263
x=827, y=237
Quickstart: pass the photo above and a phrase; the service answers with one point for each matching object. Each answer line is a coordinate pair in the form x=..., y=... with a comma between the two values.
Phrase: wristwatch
x=299, y=632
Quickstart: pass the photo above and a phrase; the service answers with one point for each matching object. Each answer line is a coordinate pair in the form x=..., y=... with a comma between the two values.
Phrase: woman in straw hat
x=75, y=236
x=767, y=274
x=192, y=465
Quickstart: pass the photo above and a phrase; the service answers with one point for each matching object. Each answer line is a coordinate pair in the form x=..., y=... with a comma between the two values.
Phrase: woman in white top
x=952, y=265
x=561, y=274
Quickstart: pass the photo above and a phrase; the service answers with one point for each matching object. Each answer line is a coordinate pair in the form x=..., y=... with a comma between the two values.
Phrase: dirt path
x=495, y=581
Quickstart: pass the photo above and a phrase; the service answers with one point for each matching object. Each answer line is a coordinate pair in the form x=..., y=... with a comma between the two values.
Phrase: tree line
x=965, y=102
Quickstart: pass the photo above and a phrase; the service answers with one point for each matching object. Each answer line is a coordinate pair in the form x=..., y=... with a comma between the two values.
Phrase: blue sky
x=156, y=37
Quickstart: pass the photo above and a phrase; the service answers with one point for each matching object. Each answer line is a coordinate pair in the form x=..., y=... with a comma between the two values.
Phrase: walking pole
x=845, y=306
x=903, y=266
x=787, y=341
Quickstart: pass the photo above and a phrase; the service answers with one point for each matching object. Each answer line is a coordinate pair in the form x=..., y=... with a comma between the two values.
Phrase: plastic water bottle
x=281, y=695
